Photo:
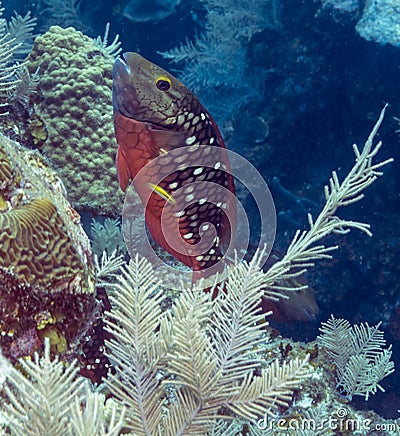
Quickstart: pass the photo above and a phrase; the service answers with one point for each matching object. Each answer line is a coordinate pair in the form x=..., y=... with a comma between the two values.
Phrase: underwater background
x=291, y=84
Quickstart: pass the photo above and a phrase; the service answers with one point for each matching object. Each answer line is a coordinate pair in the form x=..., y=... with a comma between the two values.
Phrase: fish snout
x=121, y=70
x=125, y=98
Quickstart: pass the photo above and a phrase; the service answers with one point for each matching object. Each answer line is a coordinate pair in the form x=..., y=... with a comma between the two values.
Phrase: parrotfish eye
x=163, y=83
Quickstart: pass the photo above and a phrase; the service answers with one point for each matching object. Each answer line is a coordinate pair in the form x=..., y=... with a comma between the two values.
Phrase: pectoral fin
x=123, y=172
x=165, y=140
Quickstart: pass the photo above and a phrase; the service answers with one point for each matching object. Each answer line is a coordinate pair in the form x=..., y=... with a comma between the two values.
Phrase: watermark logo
x=186, y=183
x=340, y=421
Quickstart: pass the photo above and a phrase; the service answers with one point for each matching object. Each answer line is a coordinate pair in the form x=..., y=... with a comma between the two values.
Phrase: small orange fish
x=172, y=151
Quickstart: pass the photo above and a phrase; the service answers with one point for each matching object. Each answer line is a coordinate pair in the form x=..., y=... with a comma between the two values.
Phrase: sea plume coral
x=48, y=398
x=203, y=352
x=358, y=353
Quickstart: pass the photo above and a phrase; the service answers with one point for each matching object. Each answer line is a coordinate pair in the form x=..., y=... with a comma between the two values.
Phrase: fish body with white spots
x=172, y=151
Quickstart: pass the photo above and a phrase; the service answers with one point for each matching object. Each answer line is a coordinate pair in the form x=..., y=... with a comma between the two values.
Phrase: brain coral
x=46, y=270
x=35, y=244
x=41, y=240
x=75, y=84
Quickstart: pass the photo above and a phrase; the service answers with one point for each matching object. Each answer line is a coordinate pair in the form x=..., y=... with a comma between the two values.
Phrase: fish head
x=146, y=92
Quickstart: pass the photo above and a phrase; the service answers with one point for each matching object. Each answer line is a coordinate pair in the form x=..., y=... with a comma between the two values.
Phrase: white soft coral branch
x=304, y=248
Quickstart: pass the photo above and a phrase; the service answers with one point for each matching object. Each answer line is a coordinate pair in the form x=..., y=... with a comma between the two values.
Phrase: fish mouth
x=121, y=70
x=124, y=100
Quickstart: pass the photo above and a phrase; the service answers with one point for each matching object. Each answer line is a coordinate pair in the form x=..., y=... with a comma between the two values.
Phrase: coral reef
x=343, y=6
x=193, y=368
x=189, y=342
x=14, y=40
x=380, y=22
x=75, y=84
x=46, y=268
x=59, y=403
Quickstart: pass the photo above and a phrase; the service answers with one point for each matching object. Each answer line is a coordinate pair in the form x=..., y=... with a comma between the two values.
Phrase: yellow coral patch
x=58, y=343
x=3, y=203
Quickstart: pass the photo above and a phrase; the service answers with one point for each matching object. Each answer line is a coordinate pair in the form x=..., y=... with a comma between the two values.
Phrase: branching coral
x=215, y=64
x=107, y=236
x=361, y=362
x=305, y=247
x=203, y=352
x=48, y=399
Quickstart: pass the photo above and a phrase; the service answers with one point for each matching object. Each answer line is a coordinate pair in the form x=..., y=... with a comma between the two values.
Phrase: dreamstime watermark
x=339, y=421
x=186, y=181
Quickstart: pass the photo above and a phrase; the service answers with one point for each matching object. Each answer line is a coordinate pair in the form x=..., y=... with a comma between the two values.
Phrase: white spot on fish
x=205, y=227
x=199, y=257
x=189, y=189
x=217, y=165
x=202, y=200
x=179, y=214
x=195, y=120
x=211, y=141
x=189, y=197
x=188, y=235
x=173, y=185
x=203, y=116
x=190, y=140
x=198, y=171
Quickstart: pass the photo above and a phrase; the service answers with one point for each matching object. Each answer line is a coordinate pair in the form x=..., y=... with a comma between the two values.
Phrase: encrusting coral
x=75, y=85
x=46, y=267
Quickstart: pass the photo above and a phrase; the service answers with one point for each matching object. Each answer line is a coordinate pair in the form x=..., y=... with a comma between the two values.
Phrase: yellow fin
x=162, y=193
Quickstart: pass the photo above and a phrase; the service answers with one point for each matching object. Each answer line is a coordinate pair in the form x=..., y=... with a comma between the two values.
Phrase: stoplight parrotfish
x=171, y=149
